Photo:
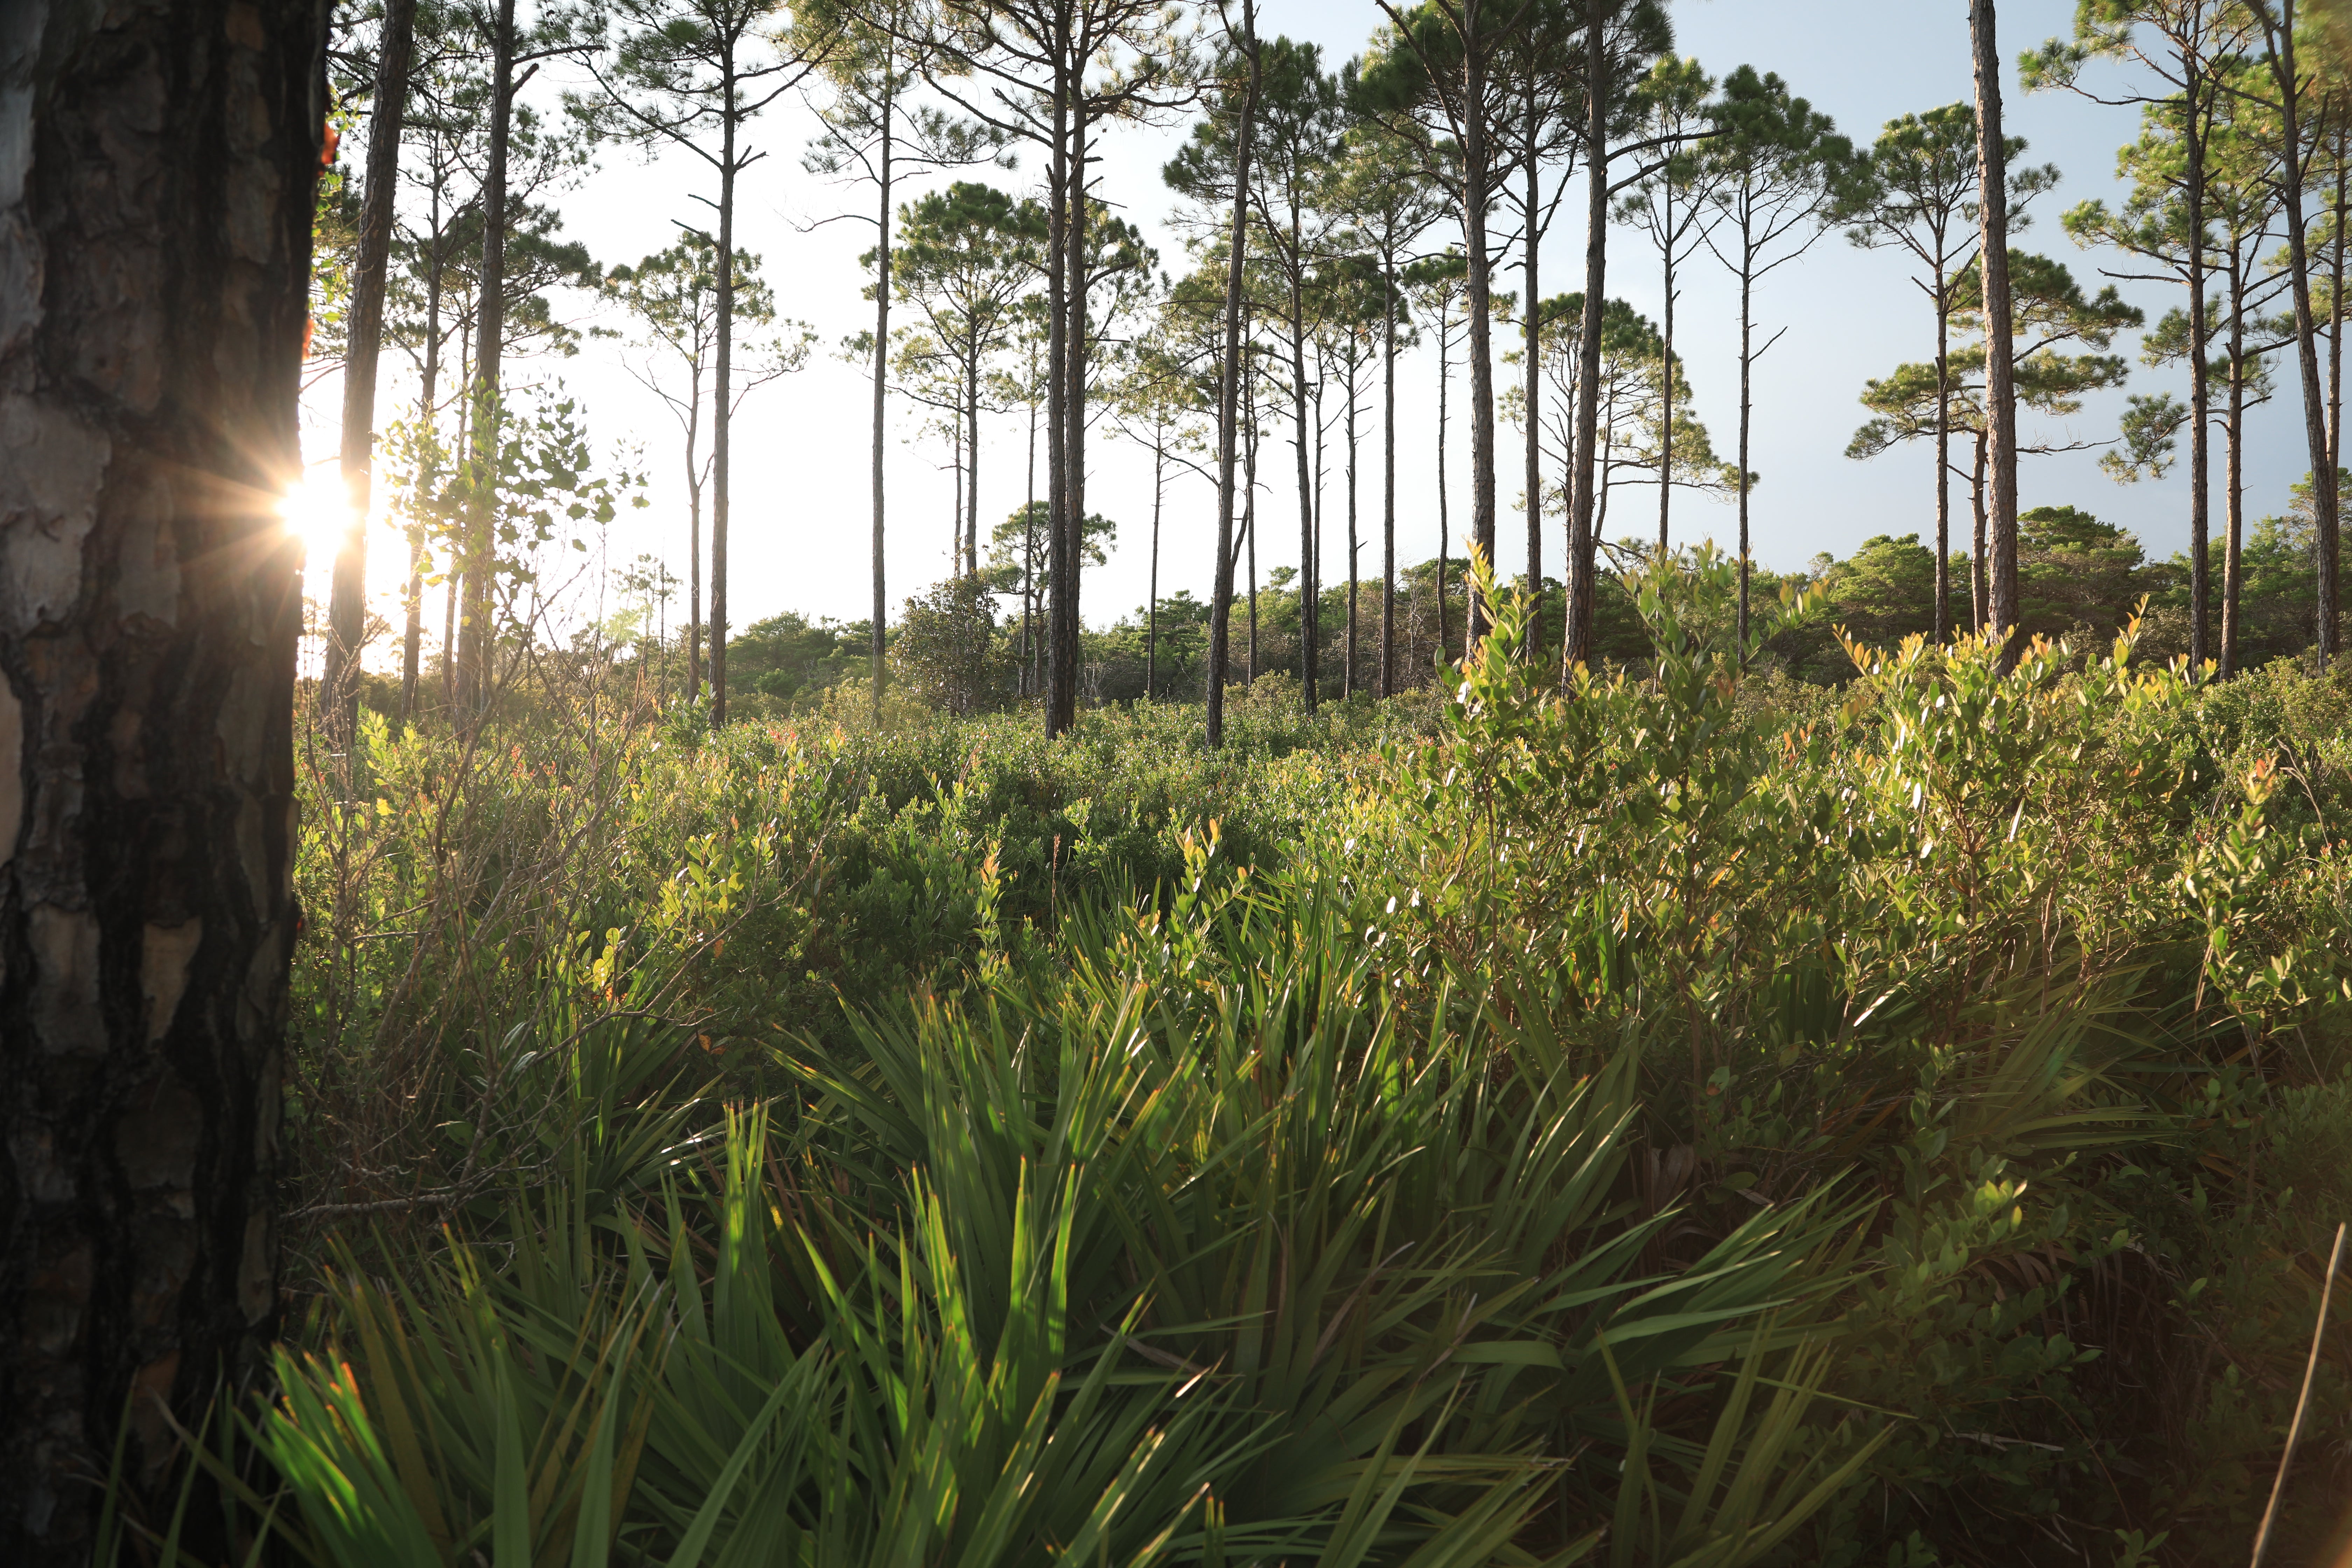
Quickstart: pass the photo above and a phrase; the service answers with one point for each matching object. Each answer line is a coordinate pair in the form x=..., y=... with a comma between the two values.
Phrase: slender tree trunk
x=346, y=607
x=460, y=541
x=1029, y=542
x=2280, y=39
x=1444, y=541
x=1387, y=472
x=1477, y=173
x=694, y=535
x=1068, y=622
x=2336, y=302
x=1307, y=617
x=1532, y=385
x=1582, y=583
x=877, y=639
x=2234, y=519
x=1349, y=688
x=413, y=637
x=1306, y=497
x=1152, y=600
x=1747, y=413
x=2200, y=397
x=489, y=342
x=1666, y=342
x=1979, y=579
x=1229, y=376
x=1944, y=457
x=971, y=471
x=1249, y=534
x=1058, y=283
x=157, y=183
x=722, y=400
x=2001, y=389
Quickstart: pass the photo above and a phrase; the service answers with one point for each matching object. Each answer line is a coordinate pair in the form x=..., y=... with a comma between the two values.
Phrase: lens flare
x=316, y=509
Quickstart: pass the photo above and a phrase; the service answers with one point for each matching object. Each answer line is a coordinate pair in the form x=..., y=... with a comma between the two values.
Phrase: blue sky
x=799, y=529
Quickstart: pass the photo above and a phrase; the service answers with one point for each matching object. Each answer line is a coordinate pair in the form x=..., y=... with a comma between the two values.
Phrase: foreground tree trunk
x=157, y=162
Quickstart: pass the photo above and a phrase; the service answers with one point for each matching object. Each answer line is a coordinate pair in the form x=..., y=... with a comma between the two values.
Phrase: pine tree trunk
x=156, y=174
x=877, y=640
x=1476, y=159
x=1944, y=456
x=2336, y=302
x=1229, y=375
x=1576, y=640
x=694, y=527
x=2234, y=481
x=490, y=342
x=1349, y=688
x=2201, y=395
x=1444, y=381
x=2001, y=389
x=2315, y=412
x=1249, y=532
x=1980, y=582
x=347, y=605
x=1307, y=607
x=1388, y=473
x=1531, y=347
x=1067, y=624
x=721, y=403
x=1057, y=429
x=1666, y=346
x=1152, y=600
x=1747, y=413
x=1229, y=386
x=412, y=642
x=972, y=469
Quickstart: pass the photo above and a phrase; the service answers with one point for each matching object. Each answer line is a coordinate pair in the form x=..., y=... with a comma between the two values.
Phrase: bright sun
x=317, y=507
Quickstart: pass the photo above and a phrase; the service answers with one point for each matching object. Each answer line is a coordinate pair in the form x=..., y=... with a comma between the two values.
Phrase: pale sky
x=799, y=539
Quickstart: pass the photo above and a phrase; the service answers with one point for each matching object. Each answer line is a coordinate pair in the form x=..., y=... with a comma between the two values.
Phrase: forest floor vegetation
x=1699, y=1119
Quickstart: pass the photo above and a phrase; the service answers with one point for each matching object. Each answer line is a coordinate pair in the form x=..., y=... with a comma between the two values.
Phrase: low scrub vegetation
x=1696, y=1120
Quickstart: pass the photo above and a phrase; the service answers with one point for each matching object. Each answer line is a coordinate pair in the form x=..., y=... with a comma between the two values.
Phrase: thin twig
x=2294, y=1428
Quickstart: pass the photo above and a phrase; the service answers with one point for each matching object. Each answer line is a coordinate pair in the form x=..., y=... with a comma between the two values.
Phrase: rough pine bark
x=157, y=163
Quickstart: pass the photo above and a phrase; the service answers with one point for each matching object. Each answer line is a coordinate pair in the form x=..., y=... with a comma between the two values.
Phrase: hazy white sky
x=799, y=529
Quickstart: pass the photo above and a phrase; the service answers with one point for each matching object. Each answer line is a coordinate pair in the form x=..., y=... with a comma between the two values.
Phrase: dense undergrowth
x=1703, y=1121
